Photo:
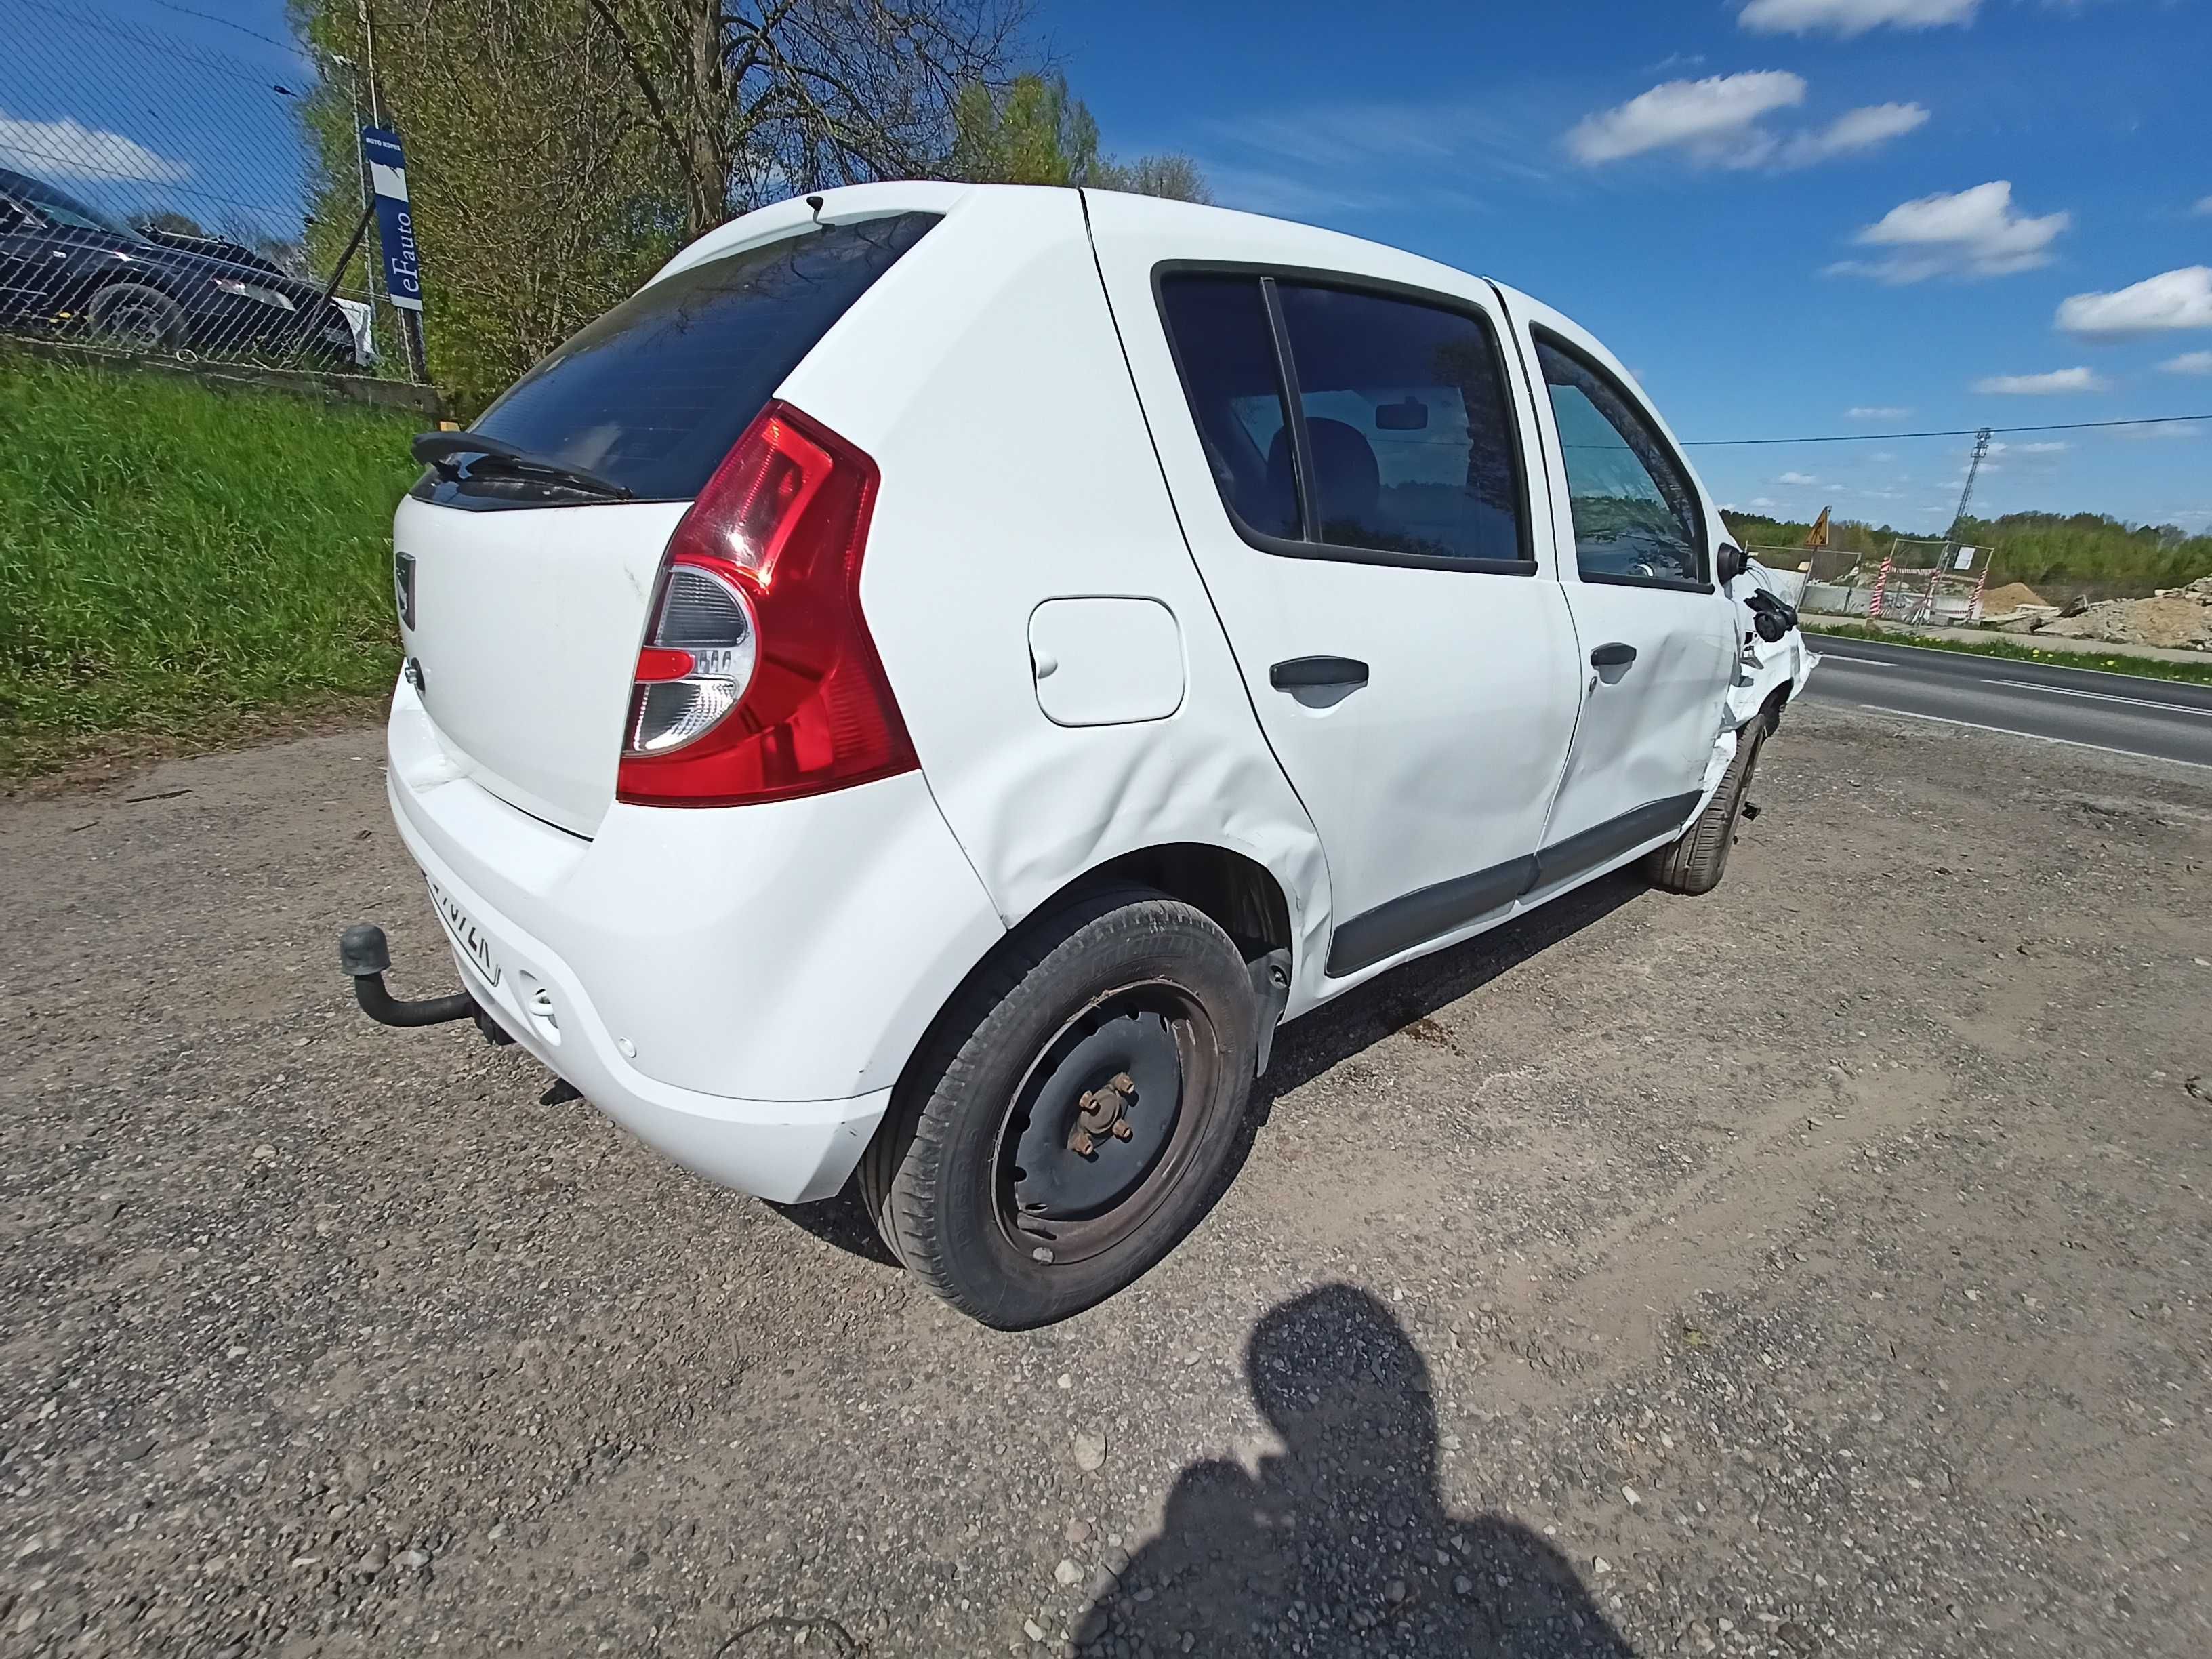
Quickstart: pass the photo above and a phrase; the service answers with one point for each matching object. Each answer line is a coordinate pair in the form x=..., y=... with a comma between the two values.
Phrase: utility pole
x=1951, y=536
x=1966, y=495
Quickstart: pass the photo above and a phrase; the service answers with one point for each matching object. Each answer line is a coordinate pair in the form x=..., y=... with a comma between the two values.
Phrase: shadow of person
x=1341, y=1543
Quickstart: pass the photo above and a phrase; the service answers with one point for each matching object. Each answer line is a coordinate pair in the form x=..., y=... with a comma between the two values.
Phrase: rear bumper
x=739, y=987
x=788, y=1150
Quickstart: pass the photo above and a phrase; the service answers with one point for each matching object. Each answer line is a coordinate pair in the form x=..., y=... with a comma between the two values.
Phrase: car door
x=1344, y=451
x=1654, y=634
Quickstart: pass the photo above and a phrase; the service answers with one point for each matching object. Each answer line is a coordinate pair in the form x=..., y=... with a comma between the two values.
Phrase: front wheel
x=1073, y=1111
x=1695, y=862
x=136, y=317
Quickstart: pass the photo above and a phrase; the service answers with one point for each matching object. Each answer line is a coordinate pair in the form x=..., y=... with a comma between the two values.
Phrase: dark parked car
x=66, y=266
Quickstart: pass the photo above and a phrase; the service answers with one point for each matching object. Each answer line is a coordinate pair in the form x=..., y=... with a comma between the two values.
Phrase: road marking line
x=2105, y=696
x=2010, y=732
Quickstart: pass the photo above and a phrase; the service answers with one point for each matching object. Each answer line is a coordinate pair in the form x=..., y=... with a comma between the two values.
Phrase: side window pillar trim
x=1294, y=410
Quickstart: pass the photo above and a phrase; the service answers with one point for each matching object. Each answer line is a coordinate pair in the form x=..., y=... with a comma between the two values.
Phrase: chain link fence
x=175, y=185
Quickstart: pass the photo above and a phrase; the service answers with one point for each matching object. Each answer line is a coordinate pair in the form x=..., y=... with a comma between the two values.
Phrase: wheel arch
x=1241, y=894
x=1238, y=892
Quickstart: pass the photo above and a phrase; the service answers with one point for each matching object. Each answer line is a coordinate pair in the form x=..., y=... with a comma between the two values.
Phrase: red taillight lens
x=757, y=680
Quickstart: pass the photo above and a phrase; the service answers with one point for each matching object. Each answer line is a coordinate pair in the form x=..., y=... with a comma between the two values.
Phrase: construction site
x=1945, y=583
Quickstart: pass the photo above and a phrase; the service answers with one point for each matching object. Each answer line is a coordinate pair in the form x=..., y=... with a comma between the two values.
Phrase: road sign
x=395, y=219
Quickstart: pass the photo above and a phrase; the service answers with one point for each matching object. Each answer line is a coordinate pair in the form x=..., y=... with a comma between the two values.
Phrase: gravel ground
x=1816, y=1267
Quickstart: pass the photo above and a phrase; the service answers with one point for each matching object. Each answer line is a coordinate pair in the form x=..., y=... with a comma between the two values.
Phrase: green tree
x=1034, y=131
x=2071, y=553
x=540, y=197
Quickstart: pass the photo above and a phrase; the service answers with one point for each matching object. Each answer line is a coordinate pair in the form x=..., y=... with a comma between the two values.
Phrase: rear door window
x=1411, y=451
x=1409, y=425
x=1225, y=348
x=654, y=394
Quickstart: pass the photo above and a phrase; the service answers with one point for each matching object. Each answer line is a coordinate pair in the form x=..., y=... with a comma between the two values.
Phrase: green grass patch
x=2108, y=662
x=179, y=564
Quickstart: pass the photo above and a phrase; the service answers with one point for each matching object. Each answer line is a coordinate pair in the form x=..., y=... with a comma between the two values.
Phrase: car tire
x=1123, y=1010
x=1694, y=863
x=132, y=315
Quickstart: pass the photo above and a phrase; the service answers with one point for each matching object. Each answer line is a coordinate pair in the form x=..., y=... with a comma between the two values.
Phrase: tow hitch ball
x=364, y=953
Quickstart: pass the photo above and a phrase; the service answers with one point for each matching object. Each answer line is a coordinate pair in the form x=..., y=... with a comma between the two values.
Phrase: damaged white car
x=919, y=692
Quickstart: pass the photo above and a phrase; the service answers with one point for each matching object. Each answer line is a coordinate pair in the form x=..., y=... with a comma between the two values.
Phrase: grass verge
x=2108, y=662
x=182, y=565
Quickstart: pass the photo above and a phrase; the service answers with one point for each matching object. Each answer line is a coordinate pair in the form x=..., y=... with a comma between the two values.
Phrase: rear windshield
x=654, y=394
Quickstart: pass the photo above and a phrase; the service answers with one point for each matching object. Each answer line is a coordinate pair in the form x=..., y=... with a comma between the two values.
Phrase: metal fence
x=175, y=184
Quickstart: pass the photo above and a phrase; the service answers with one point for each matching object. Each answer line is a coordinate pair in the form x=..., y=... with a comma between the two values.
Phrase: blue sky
x=1720, y=192
x=1786, y=216
x=158, y=103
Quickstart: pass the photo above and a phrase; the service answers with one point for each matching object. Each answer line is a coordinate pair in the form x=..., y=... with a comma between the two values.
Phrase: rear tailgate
x=527, y=630
x=529, y=595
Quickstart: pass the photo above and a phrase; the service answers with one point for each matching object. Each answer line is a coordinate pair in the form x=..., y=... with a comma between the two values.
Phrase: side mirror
x=1730, y=564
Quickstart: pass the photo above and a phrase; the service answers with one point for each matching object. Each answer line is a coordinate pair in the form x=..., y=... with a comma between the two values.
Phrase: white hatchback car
x=924, y=687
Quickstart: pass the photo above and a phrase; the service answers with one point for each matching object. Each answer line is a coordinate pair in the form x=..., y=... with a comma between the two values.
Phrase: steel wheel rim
x=1045, y=1109
x=137, y=325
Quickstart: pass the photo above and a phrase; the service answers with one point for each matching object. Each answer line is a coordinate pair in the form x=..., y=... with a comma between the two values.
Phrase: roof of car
x=1324, y=246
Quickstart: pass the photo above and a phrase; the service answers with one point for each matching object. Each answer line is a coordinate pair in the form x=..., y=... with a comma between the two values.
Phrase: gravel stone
x=615, y=1409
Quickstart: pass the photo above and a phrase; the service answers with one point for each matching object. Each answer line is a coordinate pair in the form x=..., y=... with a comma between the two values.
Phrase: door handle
x=1618, y=654
x=1301, y=673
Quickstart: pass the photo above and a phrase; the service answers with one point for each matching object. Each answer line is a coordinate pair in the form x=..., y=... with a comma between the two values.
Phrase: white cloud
x=1721, y=121
x=2039, y=385
x=2056, y=448
x=1764, y=500
x=2204, y=207
x=1973, y=232
x=1716, y=120
x=2161, y=429
x=1854, y=130
x=1805, y=478
x=67, y=149
x=1288, y=196
x=1876, y=412
x=1848, y=17
x=2170, y=300
x=2189, y=363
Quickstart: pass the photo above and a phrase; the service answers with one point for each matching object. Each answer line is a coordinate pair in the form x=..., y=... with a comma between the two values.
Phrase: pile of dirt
x=2178, y=616
x=2003, y=601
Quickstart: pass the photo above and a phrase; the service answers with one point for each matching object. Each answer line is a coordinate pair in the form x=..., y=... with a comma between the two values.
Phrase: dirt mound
x=2003, y=601
x=2178, y=617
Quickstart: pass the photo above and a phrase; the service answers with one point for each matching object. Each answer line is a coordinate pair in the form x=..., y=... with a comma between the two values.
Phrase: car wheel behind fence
x=136, y=317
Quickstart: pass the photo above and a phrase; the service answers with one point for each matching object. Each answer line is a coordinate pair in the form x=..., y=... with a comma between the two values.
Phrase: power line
x=210, y=17
x=1950, y=432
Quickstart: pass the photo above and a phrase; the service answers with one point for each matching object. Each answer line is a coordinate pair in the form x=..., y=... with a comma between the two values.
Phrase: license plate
x=466, y=934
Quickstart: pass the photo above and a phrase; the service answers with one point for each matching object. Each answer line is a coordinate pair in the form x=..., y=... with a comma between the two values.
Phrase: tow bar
x=364, y=953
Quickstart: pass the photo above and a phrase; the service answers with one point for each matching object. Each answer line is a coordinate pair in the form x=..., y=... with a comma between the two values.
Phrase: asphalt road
x=2133, y=715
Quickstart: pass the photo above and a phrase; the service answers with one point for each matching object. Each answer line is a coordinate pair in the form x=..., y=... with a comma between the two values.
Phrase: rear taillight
x=757, y=680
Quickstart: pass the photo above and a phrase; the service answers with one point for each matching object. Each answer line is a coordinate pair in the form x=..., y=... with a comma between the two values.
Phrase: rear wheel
x=139, y=318
x=1695, y=862
x=1073, y=1112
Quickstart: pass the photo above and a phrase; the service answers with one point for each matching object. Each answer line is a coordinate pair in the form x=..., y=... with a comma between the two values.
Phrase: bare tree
x=751, y=99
